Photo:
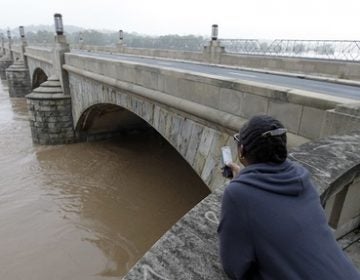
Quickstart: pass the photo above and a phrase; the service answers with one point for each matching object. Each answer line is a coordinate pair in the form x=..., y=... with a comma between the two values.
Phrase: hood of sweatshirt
x=286, y=178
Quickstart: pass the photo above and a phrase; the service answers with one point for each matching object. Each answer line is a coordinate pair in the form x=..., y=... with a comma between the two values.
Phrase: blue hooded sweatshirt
x=273, y=227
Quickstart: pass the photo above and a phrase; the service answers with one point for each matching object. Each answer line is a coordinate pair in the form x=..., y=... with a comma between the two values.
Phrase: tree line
x=94, y=37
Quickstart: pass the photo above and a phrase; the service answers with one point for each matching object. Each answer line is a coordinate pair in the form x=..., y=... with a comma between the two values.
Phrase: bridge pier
x=5, y=62
x=51, y=119
x=49, y=105
x=2, y=49
x=18, y=79
x=18, y=73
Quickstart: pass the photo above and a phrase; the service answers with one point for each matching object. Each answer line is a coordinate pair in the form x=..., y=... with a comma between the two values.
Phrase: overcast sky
x=267, y=19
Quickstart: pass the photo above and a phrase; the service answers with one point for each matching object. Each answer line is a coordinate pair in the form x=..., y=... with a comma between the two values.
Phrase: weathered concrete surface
x=334, y=163
x=341, y=119
x=189, y=250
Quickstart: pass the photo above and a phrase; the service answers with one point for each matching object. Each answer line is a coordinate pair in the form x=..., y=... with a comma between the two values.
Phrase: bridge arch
x=104, y=120
x=197, y=144
x=38, y=77
x=197, y=141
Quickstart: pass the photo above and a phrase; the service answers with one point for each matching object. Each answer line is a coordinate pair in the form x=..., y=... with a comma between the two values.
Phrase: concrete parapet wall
x=303, y=113
x=318, y=67
x=343, y=118
x=189, y=250
x=182, y=55
x=39, y=53
x=160, y=53
x=38, y=57
x=330, y=68
x=17, y=52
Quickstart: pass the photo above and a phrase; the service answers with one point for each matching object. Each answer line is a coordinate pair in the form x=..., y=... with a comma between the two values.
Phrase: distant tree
x=40, y=37
x=326, y=49
x=298, y=48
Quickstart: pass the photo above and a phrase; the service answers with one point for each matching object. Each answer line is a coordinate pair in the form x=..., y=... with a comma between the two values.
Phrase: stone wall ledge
x=55, y=96
x=333, y=161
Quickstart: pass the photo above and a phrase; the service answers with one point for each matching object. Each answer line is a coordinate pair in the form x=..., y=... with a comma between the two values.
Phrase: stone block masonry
x=18, y=79
x=5, y=62
x=50, y=114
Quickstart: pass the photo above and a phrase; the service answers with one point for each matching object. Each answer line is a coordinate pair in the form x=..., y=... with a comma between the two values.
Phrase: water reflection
x=88, y=210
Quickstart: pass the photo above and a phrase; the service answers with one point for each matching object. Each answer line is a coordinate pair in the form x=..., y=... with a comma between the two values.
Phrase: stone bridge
x=81, y=93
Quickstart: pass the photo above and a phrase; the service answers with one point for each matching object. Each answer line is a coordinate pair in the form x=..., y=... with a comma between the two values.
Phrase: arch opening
x=38, y=78
x=103, y=121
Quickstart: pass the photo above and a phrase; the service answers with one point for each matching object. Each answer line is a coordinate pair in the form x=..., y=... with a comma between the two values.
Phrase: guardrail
x=167, y=43
x=320, y=49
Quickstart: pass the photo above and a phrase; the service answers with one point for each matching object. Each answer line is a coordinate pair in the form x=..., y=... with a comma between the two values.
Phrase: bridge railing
x=168, y=43
x=39, y=53
x=319, y=49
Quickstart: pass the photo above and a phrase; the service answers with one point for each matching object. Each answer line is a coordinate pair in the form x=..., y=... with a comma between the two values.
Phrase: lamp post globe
x=214, y=32
x=22, y=31
x=59, y=27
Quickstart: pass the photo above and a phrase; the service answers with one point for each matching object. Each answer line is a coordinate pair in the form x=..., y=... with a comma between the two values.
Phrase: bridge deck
x=339, y=90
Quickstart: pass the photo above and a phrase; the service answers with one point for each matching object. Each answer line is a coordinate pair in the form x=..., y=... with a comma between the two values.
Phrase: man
x=272, y=224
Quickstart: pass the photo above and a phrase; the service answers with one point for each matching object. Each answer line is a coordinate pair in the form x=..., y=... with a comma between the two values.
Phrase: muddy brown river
x=86, y=210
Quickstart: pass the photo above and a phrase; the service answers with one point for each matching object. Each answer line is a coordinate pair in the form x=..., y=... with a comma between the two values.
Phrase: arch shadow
x=38, y=78
x=106, y=120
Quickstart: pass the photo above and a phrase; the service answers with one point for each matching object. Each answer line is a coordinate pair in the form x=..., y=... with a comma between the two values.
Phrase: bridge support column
x=5, y=62
x=18, y=79
x=51, y=119
x=18, y=75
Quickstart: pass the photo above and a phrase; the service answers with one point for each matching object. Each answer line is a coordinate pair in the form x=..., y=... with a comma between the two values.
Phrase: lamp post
x=214, y=32
x=23, y=44
x=21, y=31
x=8, y=34
x=59, y=27
x=60, y=48
x=121, y=35
x=2, y=43
x=9, y=38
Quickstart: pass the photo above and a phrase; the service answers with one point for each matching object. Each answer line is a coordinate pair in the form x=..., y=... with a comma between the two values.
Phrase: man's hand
x=234, y=168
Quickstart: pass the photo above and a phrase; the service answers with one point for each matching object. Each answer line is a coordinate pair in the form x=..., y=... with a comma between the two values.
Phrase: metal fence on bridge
x=316, y=49
x=320, y=49
x=168, y=43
